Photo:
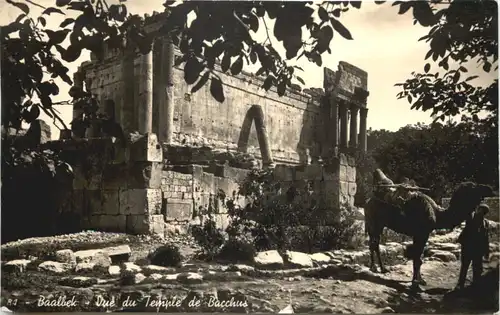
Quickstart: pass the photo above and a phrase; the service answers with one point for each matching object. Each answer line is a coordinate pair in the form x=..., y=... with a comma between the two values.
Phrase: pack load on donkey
x=394, y=194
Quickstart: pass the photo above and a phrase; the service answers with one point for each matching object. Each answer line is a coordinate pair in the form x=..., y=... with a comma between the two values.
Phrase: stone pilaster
x=165, y=91
x=334, y=114
x=128, y=113
x=362, y=128
x=353, y=143
x=343, y=111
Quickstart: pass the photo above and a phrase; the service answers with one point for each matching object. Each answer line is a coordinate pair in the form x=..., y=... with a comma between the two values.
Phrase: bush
x=209, y=238
x=237, y=251
x=282, y=217
x=166, y=256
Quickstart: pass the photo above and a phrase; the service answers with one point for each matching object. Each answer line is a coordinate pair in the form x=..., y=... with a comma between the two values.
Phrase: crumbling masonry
x=183, y=147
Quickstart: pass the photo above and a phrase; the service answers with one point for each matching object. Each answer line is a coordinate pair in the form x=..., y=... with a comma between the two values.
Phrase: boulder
x=118, y=254
x=320, y=258
x=190, y=278
x=18, y=265
x=443, y=255
x=66, y=256
x=171, y=277
x=84, y=267
x=114, y=270
x=155, y=276
x=101, y=260
x=130, y=267
x=298, y=259
x=270, y=258
x=54, y=266
x=86, y=256
x=139, y=277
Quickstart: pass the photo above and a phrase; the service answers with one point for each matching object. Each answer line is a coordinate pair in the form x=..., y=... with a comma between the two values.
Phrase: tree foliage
x=460, y=32
x=437, y=156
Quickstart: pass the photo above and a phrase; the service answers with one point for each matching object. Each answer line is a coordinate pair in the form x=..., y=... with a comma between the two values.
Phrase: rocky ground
x=102, y=271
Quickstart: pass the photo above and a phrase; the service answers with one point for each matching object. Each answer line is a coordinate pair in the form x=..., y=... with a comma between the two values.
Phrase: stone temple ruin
x=182, y=147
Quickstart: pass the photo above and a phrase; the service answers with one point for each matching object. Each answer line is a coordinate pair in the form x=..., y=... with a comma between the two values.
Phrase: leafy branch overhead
x=225, y=35
x=461, y=32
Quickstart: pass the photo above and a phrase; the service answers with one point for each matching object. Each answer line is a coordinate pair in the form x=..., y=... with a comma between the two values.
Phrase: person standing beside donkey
x=475, y=245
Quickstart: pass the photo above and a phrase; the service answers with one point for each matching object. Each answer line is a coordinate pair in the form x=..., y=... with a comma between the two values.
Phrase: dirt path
x=355, y=290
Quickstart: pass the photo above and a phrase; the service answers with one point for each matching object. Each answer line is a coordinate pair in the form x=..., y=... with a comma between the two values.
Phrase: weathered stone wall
x=493, y=203
x=293, y=121
x=116, y=188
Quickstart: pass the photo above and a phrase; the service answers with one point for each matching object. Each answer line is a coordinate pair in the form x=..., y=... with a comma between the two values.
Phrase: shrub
x=209, y=238
x=279, y=216
x=166, y=256
x=237, y=251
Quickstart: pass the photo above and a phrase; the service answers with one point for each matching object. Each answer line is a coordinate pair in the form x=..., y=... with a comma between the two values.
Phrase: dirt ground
x=354, y=289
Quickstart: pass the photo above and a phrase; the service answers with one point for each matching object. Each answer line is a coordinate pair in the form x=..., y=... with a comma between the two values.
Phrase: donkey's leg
x=418, y=249
x=382, y=267
x=373, y=247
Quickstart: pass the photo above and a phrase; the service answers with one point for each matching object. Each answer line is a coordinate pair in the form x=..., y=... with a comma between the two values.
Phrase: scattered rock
x=86, y=255
x=446, y=246
x=171, y=277
x=53, y=266
x=150, y=269
x=443, y=255
x=387, y=310
x=118, y=254
x=18, y=265
x=190, y=278
x=298, y=259
x=78, y=282
x=101, y=260
x=155, y=276
x=129, y=266
x=84, y=267
x=320, y=258
x=241, y=267
x=139, y=277
x=270, y=258
x=114, y=270
x=66, y=256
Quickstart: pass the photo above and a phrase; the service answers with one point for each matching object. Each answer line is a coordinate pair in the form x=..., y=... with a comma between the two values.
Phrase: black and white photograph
x=249, y=156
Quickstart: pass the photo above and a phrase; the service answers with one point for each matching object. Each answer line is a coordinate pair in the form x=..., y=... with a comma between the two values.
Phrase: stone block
x=140, y=201
x=114, y=176
x=342, y=172
x=145, y=148
x=343, y=159
x=93, y=202
x=283, y=173
x=109, y=223
x=146, y=224
x=351, y=174
x=178, y=209
x=351, y=188
x=314, y=171
x=110, y=202
x=351, y=161
x=79, y=179
x=145, y=175
x=205, y=183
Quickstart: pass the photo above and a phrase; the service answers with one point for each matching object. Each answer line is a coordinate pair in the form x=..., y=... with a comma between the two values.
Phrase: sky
x=385, y=44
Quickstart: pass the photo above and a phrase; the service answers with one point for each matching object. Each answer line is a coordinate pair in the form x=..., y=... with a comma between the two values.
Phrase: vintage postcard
x=249, y=156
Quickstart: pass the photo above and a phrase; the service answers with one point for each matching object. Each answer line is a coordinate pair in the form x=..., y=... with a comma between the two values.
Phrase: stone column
x=343, y=111
x=127, y=117
x=167, y=118
x=354, y=127
x=362, y=128
x=334, y=114
x=145, y=105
